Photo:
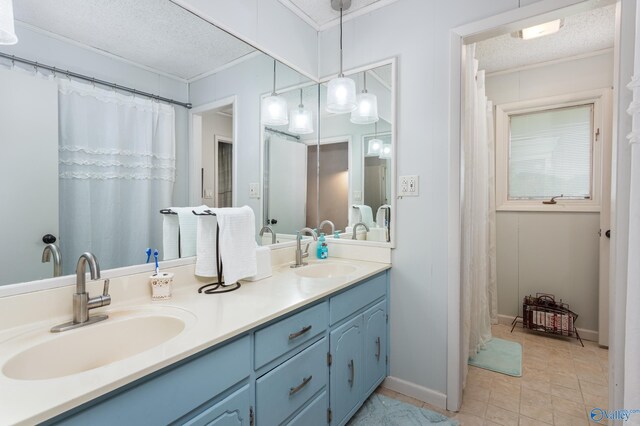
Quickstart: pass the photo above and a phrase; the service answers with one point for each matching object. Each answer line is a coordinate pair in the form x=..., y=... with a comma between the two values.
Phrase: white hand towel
x=263, y=259
x=170, y=232
x=188, y=229
x=237, y=243
x=380, y=215
x=206, y=255
x=365, y=216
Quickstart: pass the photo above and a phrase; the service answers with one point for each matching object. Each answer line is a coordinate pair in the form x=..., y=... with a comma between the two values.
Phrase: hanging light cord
x=364, y=90
x=341, y=73
x=274, y=78
x=301, y=105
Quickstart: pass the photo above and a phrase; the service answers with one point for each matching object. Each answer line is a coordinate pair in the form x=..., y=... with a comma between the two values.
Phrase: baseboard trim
x=413, y=390
x=585, y=334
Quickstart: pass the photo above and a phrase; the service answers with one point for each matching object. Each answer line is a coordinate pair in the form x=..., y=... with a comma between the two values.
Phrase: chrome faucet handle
x=105, y=291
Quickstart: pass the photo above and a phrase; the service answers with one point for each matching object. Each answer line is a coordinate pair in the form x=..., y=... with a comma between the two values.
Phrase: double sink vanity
x=305, y=346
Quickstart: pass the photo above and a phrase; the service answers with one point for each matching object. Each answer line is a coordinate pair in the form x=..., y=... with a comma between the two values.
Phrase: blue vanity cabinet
x=346, y=369
x=235, y=410
x=375, y=346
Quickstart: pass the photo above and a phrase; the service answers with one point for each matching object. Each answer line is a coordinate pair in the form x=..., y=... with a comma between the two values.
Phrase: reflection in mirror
x=290, y=166
x=356, y=150
x=94, y=122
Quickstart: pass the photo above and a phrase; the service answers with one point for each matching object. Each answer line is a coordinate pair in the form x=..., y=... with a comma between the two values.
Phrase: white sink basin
x=123, y=335
x=325, y=270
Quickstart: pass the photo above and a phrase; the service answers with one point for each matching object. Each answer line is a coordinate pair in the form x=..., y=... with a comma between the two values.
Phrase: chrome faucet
x=53, y=250
x=82, y=303
x=269, y=229
x=327, y=222
x=299, y=254
x=355, y=228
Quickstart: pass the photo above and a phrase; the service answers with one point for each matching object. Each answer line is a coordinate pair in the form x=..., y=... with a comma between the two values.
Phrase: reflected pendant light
x=274, y=107
x=7, y=25
x=386, y=152
x=367, y=110
x=375, y=145
x=301, y=121
x=341, y=92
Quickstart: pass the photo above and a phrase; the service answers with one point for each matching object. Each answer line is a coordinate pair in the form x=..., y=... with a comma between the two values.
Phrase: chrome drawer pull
x=298, y=388
x=300, y=333
x=352, y=372
x=378, y=348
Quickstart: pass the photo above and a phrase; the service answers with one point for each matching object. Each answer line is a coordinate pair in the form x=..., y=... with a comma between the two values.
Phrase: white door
x=287, y=199
x=28, y=174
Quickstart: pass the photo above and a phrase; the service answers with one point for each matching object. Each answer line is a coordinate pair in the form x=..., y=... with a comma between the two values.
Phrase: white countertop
x=214, y=319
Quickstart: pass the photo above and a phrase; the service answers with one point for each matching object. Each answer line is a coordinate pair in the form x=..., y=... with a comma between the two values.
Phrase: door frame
x=541, y=11
x=195, y=147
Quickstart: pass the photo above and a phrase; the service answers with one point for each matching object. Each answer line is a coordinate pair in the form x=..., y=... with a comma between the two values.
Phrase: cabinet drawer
x=345, y=304
x=279, y=338
x=289, y=386
x=234, y=409
x=174, y=393
x=314, y=414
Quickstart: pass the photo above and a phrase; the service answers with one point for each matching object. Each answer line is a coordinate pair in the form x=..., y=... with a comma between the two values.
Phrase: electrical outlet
x=357, y=196
x=254, y=190
x=409, y=186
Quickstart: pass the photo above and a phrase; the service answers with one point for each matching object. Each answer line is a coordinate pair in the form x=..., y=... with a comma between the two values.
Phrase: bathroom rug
x=501, y=356
x=379, y=410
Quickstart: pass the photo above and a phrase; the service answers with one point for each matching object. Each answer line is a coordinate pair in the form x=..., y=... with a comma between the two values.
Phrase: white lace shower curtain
x=479, y=298
x=116, y=169
x=632, y=327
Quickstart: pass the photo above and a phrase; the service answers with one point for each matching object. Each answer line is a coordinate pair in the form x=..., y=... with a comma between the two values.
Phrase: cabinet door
x=346, y=369
x=375, y=345
x=231, y=411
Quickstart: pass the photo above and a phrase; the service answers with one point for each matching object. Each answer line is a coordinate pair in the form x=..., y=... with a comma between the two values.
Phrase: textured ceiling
x=582, y=33
x=154, y=33
x=319, y=12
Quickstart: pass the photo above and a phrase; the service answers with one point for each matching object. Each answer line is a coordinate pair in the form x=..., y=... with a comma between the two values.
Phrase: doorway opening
x=534, y=243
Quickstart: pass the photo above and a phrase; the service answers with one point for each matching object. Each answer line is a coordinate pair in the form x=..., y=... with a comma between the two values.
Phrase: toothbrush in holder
x=155, y=256
x=148, y=251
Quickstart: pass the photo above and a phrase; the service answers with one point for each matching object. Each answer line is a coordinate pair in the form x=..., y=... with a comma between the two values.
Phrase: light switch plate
x=254, y=190
x=357, y=196
x=409, y=186
x=208, y=193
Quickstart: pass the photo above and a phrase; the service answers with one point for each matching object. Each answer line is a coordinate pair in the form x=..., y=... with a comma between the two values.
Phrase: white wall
x=40, y=47
x=554, y=253
x=265, y=24
x=418, y=32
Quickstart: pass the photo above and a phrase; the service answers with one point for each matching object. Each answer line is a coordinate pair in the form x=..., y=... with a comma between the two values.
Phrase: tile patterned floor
x=561, y=382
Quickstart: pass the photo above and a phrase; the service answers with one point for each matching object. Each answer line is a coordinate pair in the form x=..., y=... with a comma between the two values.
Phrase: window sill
x=559, y=207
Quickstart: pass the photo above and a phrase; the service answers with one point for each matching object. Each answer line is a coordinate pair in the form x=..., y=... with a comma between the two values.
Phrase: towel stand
x=169, y=211
x=218, y=286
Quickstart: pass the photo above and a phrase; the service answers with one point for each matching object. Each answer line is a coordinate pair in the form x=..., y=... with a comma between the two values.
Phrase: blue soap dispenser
x=322, y=251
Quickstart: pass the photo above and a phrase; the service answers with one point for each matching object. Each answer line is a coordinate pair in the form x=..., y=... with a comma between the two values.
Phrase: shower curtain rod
x=280, y=132
x=68, y=73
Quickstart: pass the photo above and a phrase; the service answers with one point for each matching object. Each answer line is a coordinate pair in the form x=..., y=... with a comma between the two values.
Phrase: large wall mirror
x=90, y=163
x=329, y=169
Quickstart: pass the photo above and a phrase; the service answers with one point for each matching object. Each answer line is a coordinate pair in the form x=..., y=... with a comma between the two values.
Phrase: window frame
x=600, y=131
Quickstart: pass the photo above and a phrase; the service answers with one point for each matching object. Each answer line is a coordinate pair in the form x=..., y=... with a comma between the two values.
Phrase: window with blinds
x=550, y=153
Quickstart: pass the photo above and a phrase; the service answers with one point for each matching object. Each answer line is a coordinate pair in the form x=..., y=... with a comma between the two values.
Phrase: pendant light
x=374, y=147
x=341, y=93
x=301, y=121
x=367, y=110
x=274, y=107
x=7, y=26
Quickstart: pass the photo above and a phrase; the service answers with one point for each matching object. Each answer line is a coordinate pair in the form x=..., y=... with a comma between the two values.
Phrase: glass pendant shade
x=386, y=152
x=7, y=28
x=375, y=147
x=274, y=111
x=367, y=110
x=301, y=121
x=341, y=95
